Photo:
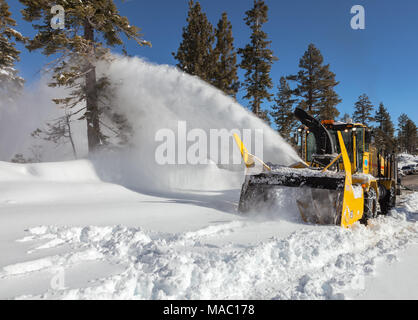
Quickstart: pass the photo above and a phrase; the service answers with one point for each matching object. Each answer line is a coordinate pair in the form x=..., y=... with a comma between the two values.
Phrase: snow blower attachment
x=335, y=184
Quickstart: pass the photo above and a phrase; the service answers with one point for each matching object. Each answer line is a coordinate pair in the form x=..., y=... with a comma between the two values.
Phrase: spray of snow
x=155, y=97
x=151, y=97
x=30, y=110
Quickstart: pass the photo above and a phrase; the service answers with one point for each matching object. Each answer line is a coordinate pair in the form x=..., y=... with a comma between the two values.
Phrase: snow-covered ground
x=66, y=234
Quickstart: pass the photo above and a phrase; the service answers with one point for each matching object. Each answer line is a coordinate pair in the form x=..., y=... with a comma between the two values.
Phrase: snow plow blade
x=317, y=197
x=323, y=197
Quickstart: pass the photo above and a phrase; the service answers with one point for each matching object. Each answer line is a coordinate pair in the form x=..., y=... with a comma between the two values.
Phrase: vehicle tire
x=389, y=201
x=392, y=197
x=370, y=205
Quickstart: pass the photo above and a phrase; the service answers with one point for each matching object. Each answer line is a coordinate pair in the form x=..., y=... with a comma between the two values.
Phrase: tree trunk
x=92, y=109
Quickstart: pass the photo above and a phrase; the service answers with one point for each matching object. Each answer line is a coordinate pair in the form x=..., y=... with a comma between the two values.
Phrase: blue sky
x=381, y=61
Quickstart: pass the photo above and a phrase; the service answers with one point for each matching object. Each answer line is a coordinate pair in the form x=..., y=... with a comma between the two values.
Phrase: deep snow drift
x=65, y=234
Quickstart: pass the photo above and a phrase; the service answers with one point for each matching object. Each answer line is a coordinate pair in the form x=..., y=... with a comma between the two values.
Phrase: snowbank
x=69, y=171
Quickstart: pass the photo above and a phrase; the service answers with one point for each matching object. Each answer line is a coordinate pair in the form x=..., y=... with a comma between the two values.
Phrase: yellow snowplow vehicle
x=342, y=179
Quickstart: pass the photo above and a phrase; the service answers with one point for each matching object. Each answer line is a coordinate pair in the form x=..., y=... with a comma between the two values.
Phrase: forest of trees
x=94, y=27
x=311, y=88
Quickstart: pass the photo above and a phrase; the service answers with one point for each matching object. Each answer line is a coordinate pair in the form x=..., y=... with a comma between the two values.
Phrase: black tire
x=370, y=205
x=389, y=201
x=392, y=197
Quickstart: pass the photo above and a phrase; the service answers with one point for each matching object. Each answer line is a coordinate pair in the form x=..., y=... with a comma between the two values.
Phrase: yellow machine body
x=369, y=178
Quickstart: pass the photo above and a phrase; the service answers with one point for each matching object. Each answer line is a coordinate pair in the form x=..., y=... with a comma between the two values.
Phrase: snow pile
x=311, y=263
x=70, y=171
x=51, y=183
x=410, y=202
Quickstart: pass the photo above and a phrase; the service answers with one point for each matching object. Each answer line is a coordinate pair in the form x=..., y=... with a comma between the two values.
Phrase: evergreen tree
x=315, y=85
x=195, y=55
x=402, y=137
x=384, y=131
x=257, y=59
x=407, y=134
x=10, y=82
x=225, y=76
x=412, y=137
x=91, y=27
x=363, y=109
x=329, y=100
x=282, y=113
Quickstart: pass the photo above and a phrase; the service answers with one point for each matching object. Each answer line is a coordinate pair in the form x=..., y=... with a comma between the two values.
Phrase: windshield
x=360, y=147
x=310, y=146
x=348, y=142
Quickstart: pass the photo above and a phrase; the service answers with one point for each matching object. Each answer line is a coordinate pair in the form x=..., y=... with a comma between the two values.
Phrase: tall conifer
x=195, y=54
x=315, y=85
x=225, y=76
x=282, y=113
x=384, y=131
x=363, y=109
x=91, y=27
x=257, y=59
x=407, y=134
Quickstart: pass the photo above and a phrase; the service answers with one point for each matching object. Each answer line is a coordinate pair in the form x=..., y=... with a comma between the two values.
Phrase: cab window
x=348, y=142
x=310, y=146
x=360, y=147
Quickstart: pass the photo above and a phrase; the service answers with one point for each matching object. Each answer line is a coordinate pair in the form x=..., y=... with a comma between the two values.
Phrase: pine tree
x=10, y=82
x=225, y=76
x=91, y=27
x=282, y=113
x=384, y=131
x=402, y=137
x=363, y=109
x=195, y=54
x=315, y=85
x=329, y=100
x=407, y=134
x=412, y=137
x=257, y=59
